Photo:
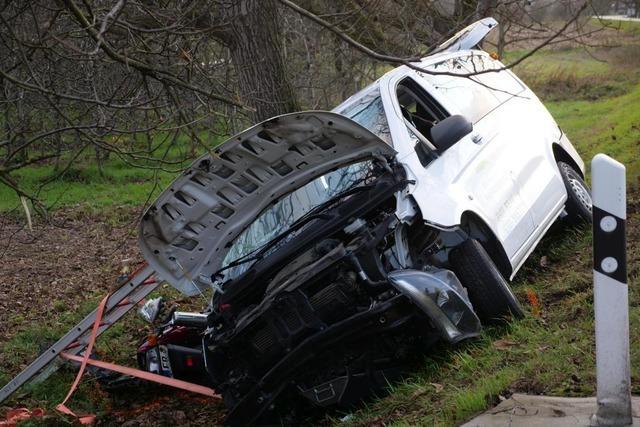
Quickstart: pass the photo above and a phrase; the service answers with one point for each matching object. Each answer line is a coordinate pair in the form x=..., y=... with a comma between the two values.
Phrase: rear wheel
x=578, y=205
x=489, y=292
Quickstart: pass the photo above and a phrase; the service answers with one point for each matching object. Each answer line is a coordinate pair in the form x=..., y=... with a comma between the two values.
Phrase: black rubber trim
x=610, y=244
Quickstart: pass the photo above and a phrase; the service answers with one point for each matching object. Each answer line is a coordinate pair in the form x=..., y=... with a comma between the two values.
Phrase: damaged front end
x=332, y=315
x=335, y=345
x=322, y=293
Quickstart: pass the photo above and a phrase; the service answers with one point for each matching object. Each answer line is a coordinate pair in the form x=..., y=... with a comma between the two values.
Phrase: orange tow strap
x=14, y=416
x=87, y=419
x=145, y=375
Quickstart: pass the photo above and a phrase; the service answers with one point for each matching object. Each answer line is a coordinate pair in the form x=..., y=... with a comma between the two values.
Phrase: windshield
x=368, y=111
x=277, y=218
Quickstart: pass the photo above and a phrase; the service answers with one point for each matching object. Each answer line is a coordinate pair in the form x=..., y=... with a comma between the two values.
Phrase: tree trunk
x=6, y=117
x=502, y=35
x=255, y=42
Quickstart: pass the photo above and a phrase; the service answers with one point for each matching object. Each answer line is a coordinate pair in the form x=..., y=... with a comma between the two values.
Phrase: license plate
x=165, y=364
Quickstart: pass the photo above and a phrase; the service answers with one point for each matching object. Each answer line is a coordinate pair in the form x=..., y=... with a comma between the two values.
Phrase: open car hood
x=186, y=233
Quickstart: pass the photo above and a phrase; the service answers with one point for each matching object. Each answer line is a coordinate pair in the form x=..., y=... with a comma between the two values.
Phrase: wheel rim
x=581, y=192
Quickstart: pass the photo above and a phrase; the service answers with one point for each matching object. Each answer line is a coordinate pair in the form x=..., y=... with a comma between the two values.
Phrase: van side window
x=502, y=84
x=420, y=112
x=472, y=98
x=367, y=110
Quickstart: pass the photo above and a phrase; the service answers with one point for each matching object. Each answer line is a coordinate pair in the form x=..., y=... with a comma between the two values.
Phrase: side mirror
x=449, y=131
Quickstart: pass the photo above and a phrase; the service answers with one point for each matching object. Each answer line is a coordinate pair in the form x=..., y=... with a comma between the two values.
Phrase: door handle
x=476, y=138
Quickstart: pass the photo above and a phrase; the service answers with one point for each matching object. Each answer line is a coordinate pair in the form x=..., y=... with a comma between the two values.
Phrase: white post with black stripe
x=611, y=299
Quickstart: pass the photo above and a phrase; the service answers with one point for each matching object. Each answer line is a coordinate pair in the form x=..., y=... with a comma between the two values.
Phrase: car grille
x=263, y=340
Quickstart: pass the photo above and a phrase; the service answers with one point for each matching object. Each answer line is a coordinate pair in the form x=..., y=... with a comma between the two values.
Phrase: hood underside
x=186, y=233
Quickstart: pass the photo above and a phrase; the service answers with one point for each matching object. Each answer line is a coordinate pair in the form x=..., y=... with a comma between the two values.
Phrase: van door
x=478, y=168
x=528, y=130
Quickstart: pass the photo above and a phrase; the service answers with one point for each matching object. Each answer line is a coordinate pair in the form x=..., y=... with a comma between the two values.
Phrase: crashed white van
x=339, y=242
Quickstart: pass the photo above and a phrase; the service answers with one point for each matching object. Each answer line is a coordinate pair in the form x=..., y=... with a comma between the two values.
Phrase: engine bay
x=319, y=318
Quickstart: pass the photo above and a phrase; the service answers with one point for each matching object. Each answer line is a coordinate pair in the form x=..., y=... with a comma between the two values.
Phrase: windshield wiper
x=330, y=202
x=314, y=213
x=259, y=252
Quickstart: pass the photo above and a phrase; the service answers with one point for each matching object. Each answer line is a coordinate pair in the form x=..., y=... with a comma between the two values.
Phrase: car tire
x=578, y=206
x=489, y=292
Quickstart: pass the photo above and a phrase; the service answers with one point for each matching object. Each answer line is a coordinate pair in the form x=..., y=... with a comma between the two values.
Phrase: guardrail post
x=611, y=301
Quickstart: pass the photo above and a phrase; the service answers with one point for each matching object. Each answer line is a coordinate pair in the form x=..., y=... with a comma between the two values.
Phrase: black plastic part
x=449, y=131
x=188, y=364
x=253, y=404
x=348, y=390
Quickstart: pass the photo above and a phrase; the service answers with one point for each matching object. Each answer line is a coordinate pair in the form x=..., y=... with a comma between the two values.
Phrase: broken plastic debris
x=150, y=310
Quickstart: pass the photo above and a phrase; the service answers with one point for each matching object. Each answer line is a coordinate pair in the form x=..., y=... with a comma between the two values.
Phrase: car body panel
x=509, y=179
x=185, y=234
x=470, y=177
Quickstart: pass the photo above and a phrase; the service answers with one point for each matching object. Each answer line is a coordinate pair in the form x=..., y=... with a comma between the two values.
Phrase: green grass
x=30, y=341
x=118, y=344
x=629, y=27
x=83, y=185
x=545, y=63
x=577, y=74
x=120, y=183
x=610, y=126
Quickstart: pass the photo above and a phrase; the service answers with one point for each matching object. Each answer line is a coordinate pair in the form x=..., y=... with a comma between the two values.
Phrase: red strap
x=88, y=419
x=14, y=416
x=145, y=375
x=85, y=360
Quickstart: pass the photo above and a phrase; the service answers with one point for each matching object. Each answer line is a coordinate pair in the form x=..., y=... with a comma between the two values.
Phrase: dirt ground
x=53, y=270
x=58, y=265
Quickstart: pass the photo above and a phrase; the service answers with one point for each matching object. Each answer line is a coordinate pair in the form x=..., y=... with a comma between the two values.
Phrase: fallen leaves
x=534, y=302
x=55, y=268
x=15, y=416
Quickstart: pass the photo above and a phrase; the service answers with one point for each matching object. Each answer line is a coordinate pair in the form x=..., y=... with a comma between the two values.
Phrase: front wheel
x=489, y=292
x=578, y=206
